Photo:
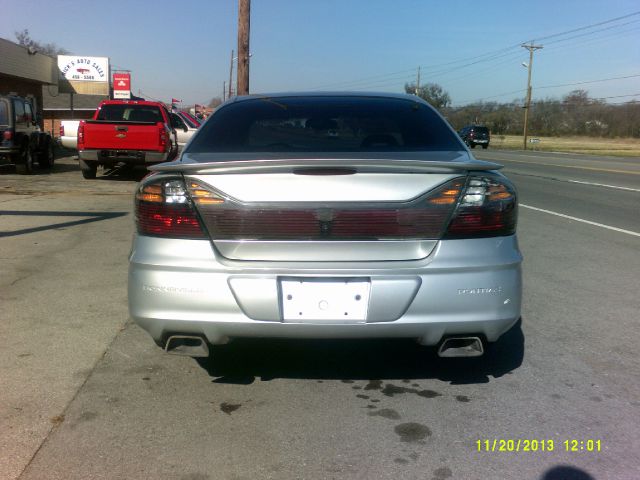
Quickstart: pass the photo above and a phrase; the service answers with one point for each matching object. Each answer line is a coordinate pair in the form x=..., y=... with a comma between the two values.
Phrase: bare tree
x=24, y=38
x=432, y=93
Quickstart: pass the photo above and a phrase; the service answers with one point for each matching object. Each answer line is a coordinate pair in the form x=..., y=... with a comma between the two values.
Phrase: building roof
x=27, y=63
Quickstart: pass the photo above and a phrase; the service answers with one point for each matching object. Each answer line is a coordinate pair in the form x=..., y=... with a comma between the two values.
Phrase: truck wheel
x=484, y=147
x=24, y=166
x=89, y=169
x=472, y=145
x=47, y=157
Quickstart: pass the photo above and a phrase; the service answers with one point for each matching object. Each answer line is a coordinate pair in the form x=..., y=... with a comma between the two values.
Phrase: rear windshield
x=4, y=112
x=481, y=130
x=324, y=124
x=130, y=113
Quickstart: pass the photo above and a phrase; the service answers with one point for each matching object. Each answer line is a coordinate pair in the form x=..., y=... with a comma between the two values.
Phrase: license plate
x=326, y=300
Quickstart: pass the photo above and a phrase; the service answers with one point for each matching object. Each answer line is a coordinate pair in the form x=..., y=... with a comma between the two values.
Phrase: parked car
x=126, y=131
x=325, y=216
x=474, y=135
x=23, y=142
x=184, y=129
x=191, y=120
x=69, y=134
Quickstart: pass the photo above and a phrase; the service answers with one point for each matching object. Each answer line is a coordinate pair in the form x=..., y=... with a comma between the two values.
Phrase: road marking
x=603, y=185
x=627, y=172
x=616, y=187
x=588, y=222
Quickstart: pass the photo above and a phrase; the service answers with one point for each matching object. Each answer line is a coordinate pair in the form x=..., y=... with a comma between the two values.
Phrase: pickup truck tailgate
x=102, y=135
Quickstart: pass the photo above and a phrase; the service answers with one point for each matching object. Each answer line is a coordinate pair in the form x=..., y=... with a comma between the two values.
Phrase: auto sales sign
x=122, y=86
x=82, y=74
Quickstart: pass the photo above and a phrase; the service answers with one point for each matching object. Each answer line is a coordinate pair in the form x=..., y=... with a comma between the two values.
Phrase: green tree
x=432, y=93
x=24, y=38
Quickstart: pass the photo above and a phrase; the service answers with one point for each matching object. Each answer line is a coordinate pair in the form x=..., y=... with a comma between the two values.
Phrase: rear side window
x=324, y=124
x=18, y=107
x=4, y=112
x=130, y=113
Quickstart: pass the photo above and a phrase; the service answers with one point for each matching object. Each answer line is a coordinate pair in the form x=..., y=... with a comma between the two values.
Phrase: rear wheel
x=47, y=157
x=472, y=145
x=25, y=165
x=88, y=169
x=484, y=147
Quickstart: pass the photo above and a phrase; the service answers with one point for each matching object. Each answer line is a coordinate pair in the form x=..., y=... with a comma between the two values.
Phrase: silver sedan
x=326, y=216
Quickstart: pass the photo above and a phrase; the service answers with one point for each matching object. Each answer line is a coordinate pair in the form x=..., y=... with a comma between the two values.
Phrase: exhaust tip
x=187, y=345
x=461, y=347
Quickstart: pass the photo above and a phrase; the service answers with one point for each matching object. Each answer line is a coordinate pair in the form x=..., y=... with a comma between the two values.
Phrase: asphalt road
x=87, y=395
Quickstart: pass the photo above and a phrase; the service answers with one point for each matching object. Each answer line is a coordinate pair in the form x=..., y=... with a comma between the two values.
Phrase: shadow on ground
x=244, y=360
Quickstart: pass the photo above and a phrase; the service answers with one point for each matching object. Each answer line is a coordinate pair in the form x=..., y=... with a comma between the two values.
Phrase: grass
x=618, y=147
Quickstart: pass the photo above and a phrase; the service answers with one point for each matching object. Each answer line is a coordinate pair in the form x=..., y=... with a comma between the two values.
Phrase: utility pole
x=244, y=13
x=527, y=106
x=418, y=81
x=224, y=91
x=230, y=74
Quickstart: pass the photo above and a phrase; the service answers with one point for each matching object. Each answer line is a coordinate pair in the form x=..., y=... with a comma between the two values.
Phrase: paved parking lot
x=87, y=395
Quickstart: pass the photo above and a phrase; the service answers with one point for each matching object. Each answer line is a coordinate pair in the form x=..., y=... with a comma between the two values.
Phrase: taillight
x=81, y=136
x=164, y=209
x=61, y=130
x=487, y=208
x=164, y=138
x=7, y=135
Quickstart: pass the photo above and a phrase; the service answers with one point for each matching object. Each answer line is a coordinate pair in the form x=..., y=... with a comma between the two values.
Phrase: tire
x=484, y=147
x=88, y=169
x=47, y=157
x=25, y=165
x=472, y=145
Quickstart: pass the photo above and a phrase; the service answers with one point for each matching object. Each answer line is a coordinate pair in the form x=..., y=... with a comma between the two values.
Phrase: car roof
x=399, y=96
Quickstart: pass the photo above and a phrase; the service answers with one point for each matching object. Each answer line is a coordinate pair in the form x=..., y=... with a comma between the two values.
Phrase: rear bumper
x=463, y=287
x=134, y=157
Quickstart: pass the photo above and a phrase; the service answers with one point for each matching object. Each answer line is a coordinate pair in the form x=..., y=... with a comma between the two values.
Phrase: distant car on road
x=474, y=135
x=325, y=216
x=22, y=141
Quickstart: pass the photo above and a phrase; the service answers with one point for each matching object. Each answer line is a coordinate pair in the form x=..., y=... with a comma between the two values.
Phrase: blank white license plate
x=328, y=300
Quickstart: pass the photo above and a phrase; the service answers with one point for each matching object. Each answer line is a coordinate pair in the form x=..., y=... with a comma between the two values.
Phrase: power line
x=436, y=70
x=588, y=26
x=588, y=81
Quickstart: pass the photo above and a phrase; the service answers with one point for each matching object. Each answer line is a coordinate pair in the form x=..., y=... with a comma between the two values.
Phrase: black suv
x=474, y=135
x=21, y=139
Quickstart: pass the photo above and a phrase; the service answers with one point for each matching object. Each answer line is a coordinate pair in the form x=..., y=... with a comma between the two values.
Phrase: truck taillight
x=164, y=208
x=80, y=135
x=62, y=130
x=7, y=135
x=487, y=208
x=164, y=138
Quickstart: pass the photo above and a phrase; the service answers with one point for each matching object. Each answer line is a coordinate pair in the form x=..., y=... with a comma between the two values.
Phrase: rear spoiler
x=220, y=163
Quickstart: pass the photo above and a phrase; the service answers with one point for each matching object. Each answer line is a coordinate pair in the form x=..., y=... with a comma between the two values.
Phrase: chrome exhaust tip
x=187, y=345
x=461, y=347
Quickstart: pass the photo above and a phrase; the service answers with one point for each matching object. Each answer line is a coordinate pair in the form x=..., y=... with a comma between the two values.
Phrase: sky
x=182, y=48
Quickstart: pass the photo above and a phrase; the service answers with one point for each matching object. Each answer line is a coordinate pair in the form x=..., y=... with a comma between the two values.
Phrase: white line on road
x=603, y=185
x=608, y=227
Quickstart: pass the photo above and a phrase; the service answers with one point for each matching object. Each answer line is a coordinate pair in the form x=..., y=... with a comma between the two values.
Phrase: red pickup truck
x=125, y=131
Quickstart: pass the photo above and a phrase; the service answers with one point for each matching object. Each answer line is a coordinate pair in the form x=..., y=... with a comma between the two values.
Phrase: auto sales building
x=28, y=73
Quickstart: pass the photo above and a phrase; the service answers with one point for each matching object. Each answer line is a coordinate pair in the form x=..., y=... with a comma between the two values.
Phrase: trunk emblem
x=121, y=135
